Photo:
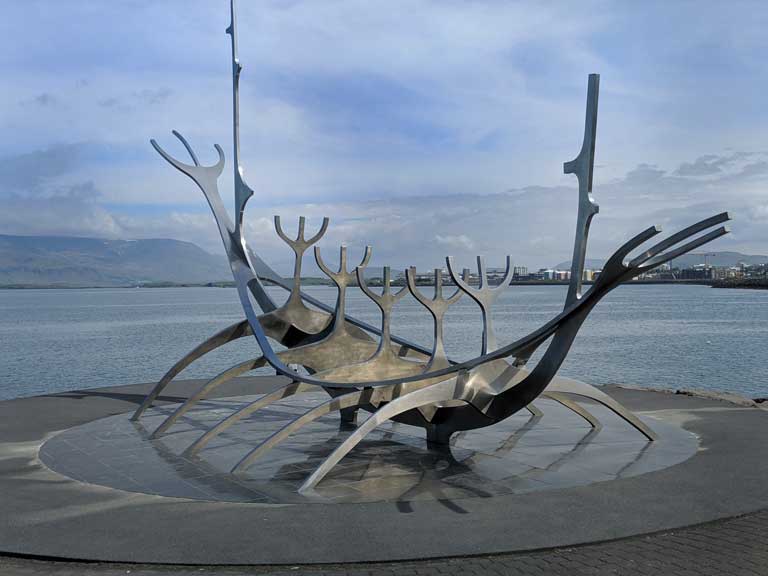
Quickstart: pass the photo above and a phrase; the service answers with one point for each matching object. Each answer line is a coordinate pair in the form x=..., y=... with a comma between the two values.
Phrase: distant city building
x=545, y=274
x=700, y=272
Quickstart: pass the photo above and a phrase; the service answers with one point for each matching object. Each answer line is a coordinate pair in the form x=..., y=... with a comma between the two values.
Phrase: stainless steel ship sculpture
x=367, y=367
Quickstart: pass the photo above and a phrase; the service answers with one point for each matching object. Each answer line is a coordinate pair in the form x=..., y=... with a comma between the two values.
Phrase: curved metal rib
x=534, y=411
x=357, y=398
x=569, y=386
x=206, y=389
x=337, y=349
x=573, y=407
x=679, y=236
x=230, y=333
x=281, y=393
x=440, y=392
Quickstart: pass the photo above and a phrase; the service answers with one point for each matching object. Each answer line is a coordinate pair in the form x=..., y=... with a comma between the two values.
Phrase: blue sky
x=437, y=125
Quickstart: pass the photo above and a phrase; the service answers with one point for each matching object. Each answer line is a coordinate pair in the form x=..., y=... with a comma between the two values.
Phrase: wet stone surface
x=520, y=454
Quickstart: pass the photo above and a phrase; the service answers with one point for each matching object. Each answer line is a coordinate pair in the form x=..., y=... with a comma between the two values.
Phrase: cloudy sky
x=425, y=128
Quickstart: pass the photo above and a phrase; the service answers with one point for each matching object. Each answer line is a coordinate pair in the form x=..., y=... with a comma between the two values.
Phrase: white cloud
x=421, y=127
x=462, y=241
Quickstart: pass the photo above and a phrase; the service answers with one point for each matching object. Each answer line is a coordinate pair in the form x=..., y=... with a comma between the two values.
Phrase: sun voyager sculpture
x=362, y=366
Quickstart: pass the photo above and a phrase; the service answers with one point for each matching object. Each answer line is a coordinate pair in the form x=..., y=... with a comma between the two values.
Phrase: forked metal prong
x=484, y=295
x=343, y=278
x=321, y=263
x=437, y=307
x=385, y=302
x=281, y=233
x=196, y=170
x=434, y=302
x=387, y=298
x=692, y=245
x=187, y=146
x=614, y=266
x=320, y=233
x=300, y=244
x=343, y=274
x=461, y=281
x=678, y=236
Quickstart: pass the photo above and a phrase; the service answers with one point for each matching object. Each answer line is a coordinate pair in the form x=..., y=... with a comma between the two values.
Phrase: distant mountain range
x=718, y=259
x=690, y=260
x=589, y=264
x=71, y=262
x=67, y=261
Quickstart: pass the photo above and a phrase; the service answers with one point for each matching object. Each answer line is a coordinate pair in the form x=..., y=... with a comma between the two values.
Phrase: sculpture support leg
x=574, y=407
x=535, y=412
x=206, y=389
x=230, y=333
x=577, y=388
x=348, y=416
x=438, y=437
x=279, y=394
x=356, y=398
x=441, y=391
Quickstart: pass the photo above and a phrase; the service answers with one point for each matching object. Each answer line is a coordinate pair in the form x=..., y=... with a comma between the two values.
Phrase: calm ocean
x=660, y=336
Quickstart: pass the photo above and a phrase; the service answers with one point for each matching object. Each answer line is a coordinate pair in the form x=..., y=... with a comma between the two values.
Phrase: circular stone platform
x=521, y=454
x=79, y=483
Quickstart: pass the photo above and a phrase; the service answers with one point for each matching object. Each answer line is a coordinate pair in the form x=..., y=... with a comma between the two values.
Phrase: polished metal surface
x=484, y=295
x=583, y=166
x=406, y=383
x=437, y=306
x=386, y=362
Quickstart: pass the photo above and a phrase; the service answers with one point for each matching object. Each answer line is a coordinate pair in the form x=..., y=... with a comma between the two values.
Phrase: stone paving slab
x=734, y=547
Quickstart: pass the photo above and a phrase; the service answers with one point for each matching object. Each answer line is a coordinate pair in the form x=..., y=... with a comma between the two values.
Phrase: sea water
x=670, y=336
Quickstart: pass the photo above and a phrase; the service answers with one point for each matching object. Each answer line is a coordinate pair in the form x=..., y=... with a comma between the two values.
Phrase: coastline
x=325, y=282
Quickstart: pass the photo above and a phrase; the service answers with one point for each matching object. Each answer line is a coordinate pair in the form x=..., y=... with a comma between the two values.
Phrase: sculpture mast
x=583, y=166
x=242, y=191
